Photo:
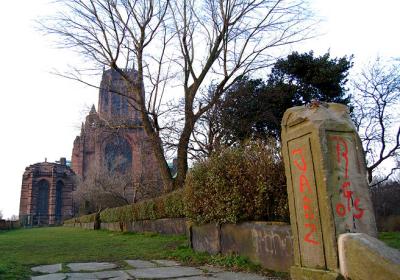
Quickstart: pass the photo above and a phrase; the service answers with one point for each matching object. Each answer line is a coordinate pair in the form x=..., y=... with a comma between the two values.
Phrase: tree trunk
x=155, y=140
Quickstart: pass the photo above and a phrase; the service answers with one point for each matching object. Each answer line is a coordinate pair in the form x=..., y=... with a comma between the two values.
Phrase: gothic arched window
x=42, y=203
x=118, y=155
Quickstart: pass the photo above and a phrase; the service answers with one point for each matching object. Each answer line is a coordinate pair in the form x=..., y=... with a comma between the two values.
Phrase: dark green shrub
x=238, y=184
x=70, y=221
x=166, y=206
x=174, y=206
x=117, y=214
x=87, y=218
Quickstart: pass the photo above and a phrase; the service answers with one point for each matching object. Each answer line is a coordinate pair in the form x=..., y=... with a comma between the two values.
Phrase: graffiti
x=272, y=243
x=351, y=206
x=305, y=188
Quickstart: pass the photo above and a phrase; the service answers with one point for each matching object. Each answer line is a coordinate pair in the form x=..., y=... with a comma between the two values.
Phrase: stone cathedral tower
x=113, y=137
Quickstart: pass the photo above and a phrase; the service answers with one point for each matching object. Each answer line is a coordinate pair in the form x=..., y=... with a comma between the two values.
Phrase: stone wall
x=8, y=225
x=81, y=225
x=162, y=226
x=269, y=244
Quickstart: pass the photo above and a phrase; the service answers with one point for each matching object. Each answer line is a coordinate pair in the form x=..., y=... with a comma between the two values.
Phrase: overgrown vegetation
x=238, y=184
x=82, y=219
x=167, y=206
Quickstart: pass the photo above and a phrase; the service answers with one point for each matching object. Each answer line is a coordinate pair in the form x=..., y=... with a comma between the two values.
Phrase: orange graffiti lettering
x=308, y=237
x=303, y=166
x=360, y=211
x=340, y=209
x=342, y=151
x=304, y=182
x=305, y=187
x=340, y=142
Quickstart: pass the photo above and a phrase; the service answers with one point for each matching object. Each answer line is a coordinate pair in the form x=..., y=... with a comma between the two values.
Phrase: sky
x=40, y=113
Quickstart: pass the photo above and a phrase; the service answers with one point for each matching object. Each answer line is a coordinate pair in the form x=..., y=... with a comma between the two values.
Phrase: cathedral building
x=46, y=193
x=113, y=138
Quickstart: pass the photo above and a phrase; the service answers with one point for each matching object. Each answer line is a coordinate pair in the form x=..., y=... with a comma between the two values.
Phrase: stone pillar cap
x=314, y=112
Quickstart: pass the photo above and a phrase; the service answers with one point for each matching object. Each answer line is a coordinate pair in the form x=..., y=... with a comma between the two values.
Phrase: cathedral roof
x=92, y=110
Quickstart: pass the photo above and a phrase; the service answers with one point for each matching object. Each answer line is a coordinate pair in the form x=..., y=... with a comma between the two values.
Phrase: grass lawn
x=391, y=238
x=24, y=248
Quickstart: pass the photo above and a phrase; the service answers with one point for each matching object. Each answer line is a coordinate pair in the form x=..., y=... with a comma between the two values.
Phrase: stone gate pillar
x=327, y=186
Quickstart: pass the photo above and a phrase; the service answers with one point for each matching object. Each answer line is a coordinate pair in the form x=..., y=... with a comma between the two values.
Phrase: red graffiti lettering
x=360, y=211
x=305, y=187
x=308, y=214
x=304, y=182
x=347, y=194
x=340, y=142
x=340, y=209
x=306, y=200
x=303, y=166
x=308, y=237
x=342, y=151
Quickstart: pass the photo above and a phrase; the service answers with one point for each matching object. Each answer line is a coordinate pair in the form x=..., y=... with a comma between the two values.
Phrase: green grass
x=392, y=239
x=24, y=248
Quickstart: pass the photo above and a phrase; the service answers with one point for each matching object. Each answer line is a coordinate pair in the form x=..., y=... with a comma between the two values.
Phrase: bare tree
x=190, y=43
x=105, y=187
x=101, y=189
x=376, y=105
x=1, y=215
x=14, y=218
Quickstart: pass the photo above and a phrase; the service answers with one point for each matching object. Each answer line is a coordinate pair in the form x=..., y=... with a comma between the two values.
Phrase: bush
x=238, y=184
x=87, y=218
x=166, y=206
x=82, y=219
x=70, y=221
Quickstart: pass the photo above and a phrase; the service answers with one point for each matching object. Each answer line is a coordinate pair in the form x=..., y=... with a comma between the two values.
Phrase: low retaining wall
x=8, y=225
x=269, y=244
x=266, y=243
x=81, y=225
x=163, y=226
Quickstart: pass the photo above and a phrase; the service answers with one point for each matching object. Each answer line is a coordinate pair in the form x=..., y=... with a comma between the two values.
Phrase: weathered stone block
x=52, y=268
x=91, y=266
x=363, y=257
x=164, y=272
x=140, y=263
x=87, y=225
x=111, y=226
x=265, y=243
x=206, y=238
x=326, y=180
x=170, y=226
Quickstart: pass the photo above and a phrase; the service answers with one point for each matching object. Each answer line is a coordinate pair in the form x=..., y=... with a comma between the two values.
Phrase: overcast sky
x=41, y=113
